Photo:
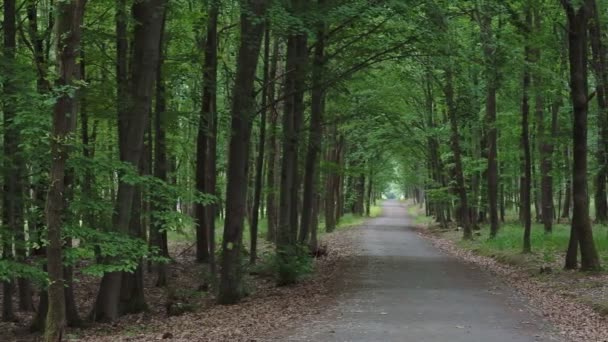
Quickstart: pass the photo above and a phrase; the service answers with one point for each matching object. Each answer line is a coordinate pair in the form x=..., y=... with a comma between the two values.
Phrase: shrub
x=291, y=264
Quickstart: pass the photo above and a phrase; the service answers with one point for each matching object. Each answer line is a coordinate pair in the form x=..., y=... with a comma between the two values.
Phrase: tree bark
x=259, y=168
x=578, y=18
x=273, y=157
x=463, y=212
x=69, y=21
x=525, y=138
x=489, y=49
x=331, y=179
x=158, y=229
x=11, y=187
x=315, y=133
x=568, y=193
x=601, y=76
x=545, y=146
x=252, y=30
x=288, y=206
x=122, y=68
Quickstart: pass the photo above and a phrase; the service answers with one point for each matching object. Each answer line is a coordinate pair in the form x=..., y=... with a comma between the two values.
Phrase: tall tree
x=491, y=69
x=11, y=196
x=259, y=164
x=160, y=205
x=273, y=150
x=461, y=191
x=252, y=30
x=297, y=53
x=69, y=21
x=579, y=13
x=315, y=132
x=601, y=90
x=526, y=180
x=206, y=143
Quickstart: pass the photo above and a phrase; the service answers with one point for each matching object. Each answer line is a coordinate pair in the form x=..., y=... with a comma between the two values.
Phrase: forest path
x=403, y=289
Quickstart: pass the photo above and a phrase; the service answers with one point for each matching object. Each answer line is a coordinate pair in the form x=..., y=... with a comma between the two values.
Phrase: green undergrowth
x=347, y=221
x=546, y=248
x=417, y=214
x=507, y=246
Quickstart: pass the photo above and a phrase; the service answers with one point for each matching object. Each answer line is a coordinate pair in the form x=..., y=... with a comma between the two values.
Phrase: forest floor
x=266, y=309
x=400, y=287
x=575, y=303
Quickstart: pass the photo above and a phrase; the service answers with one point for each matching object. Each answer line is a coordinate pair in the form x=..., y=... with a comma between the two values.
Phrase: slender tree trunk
x=39, y=187
x=489, y=49
x=455, y=146
x=545, y=147
x=205, y=163
x=601, y=76
x=370, y=186
x=292, y=118
x=211, y=168
x=122, y=68
x=578, y=18
x=11, y=187
x=273, y=158
x=69, y=20
x=315, y=133
x=339, y=181
x=158, y=231
x=252, y=31
x=568, y=192
x=330, y=181
x=259, y=168
x=525, y=138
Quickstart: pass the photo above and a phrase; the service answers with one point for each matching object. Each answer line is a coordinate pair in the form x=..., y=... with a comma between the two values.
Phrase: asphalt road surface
x=403, y=289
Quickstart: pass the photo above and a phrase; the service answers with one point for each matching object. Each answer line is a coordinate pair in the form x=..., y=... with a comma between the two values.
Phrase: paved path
x=403, y=289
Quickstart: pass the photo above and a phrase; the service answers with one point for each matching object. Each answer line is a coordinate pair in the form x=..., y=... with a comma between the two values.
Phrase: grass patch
x=418, y=215
x=507, y=246
x=546, y=248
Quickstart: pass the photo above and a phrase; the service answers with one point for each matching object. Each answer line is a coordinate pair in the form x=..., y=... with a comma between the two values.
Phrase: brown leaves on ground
x=267, y=310
x=550, y=297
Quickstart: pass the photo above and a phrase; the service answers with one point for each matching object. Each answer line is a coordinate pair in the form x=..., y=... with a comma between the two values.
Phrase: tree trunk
x=148, y=16
x=578, y=18
x=10, y=196
x=545, y=146
x=69, y=20
x=315, y=133
x=160, y=205
x=601, y=77
x=273, y=158
x=259, y=168
x=463, y=211
x=525, y=138
x=568, y=192
x=370, y=186
x=39, y=187
x=292, y=119
x=252, y=30
x=330, y=181
x=122, y=68
x=211, y=160
x=489, y=49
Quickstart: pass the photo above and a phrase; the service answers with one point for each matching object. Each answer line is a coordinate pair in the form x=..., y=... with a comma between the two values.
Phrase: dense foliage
x=128, y=124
